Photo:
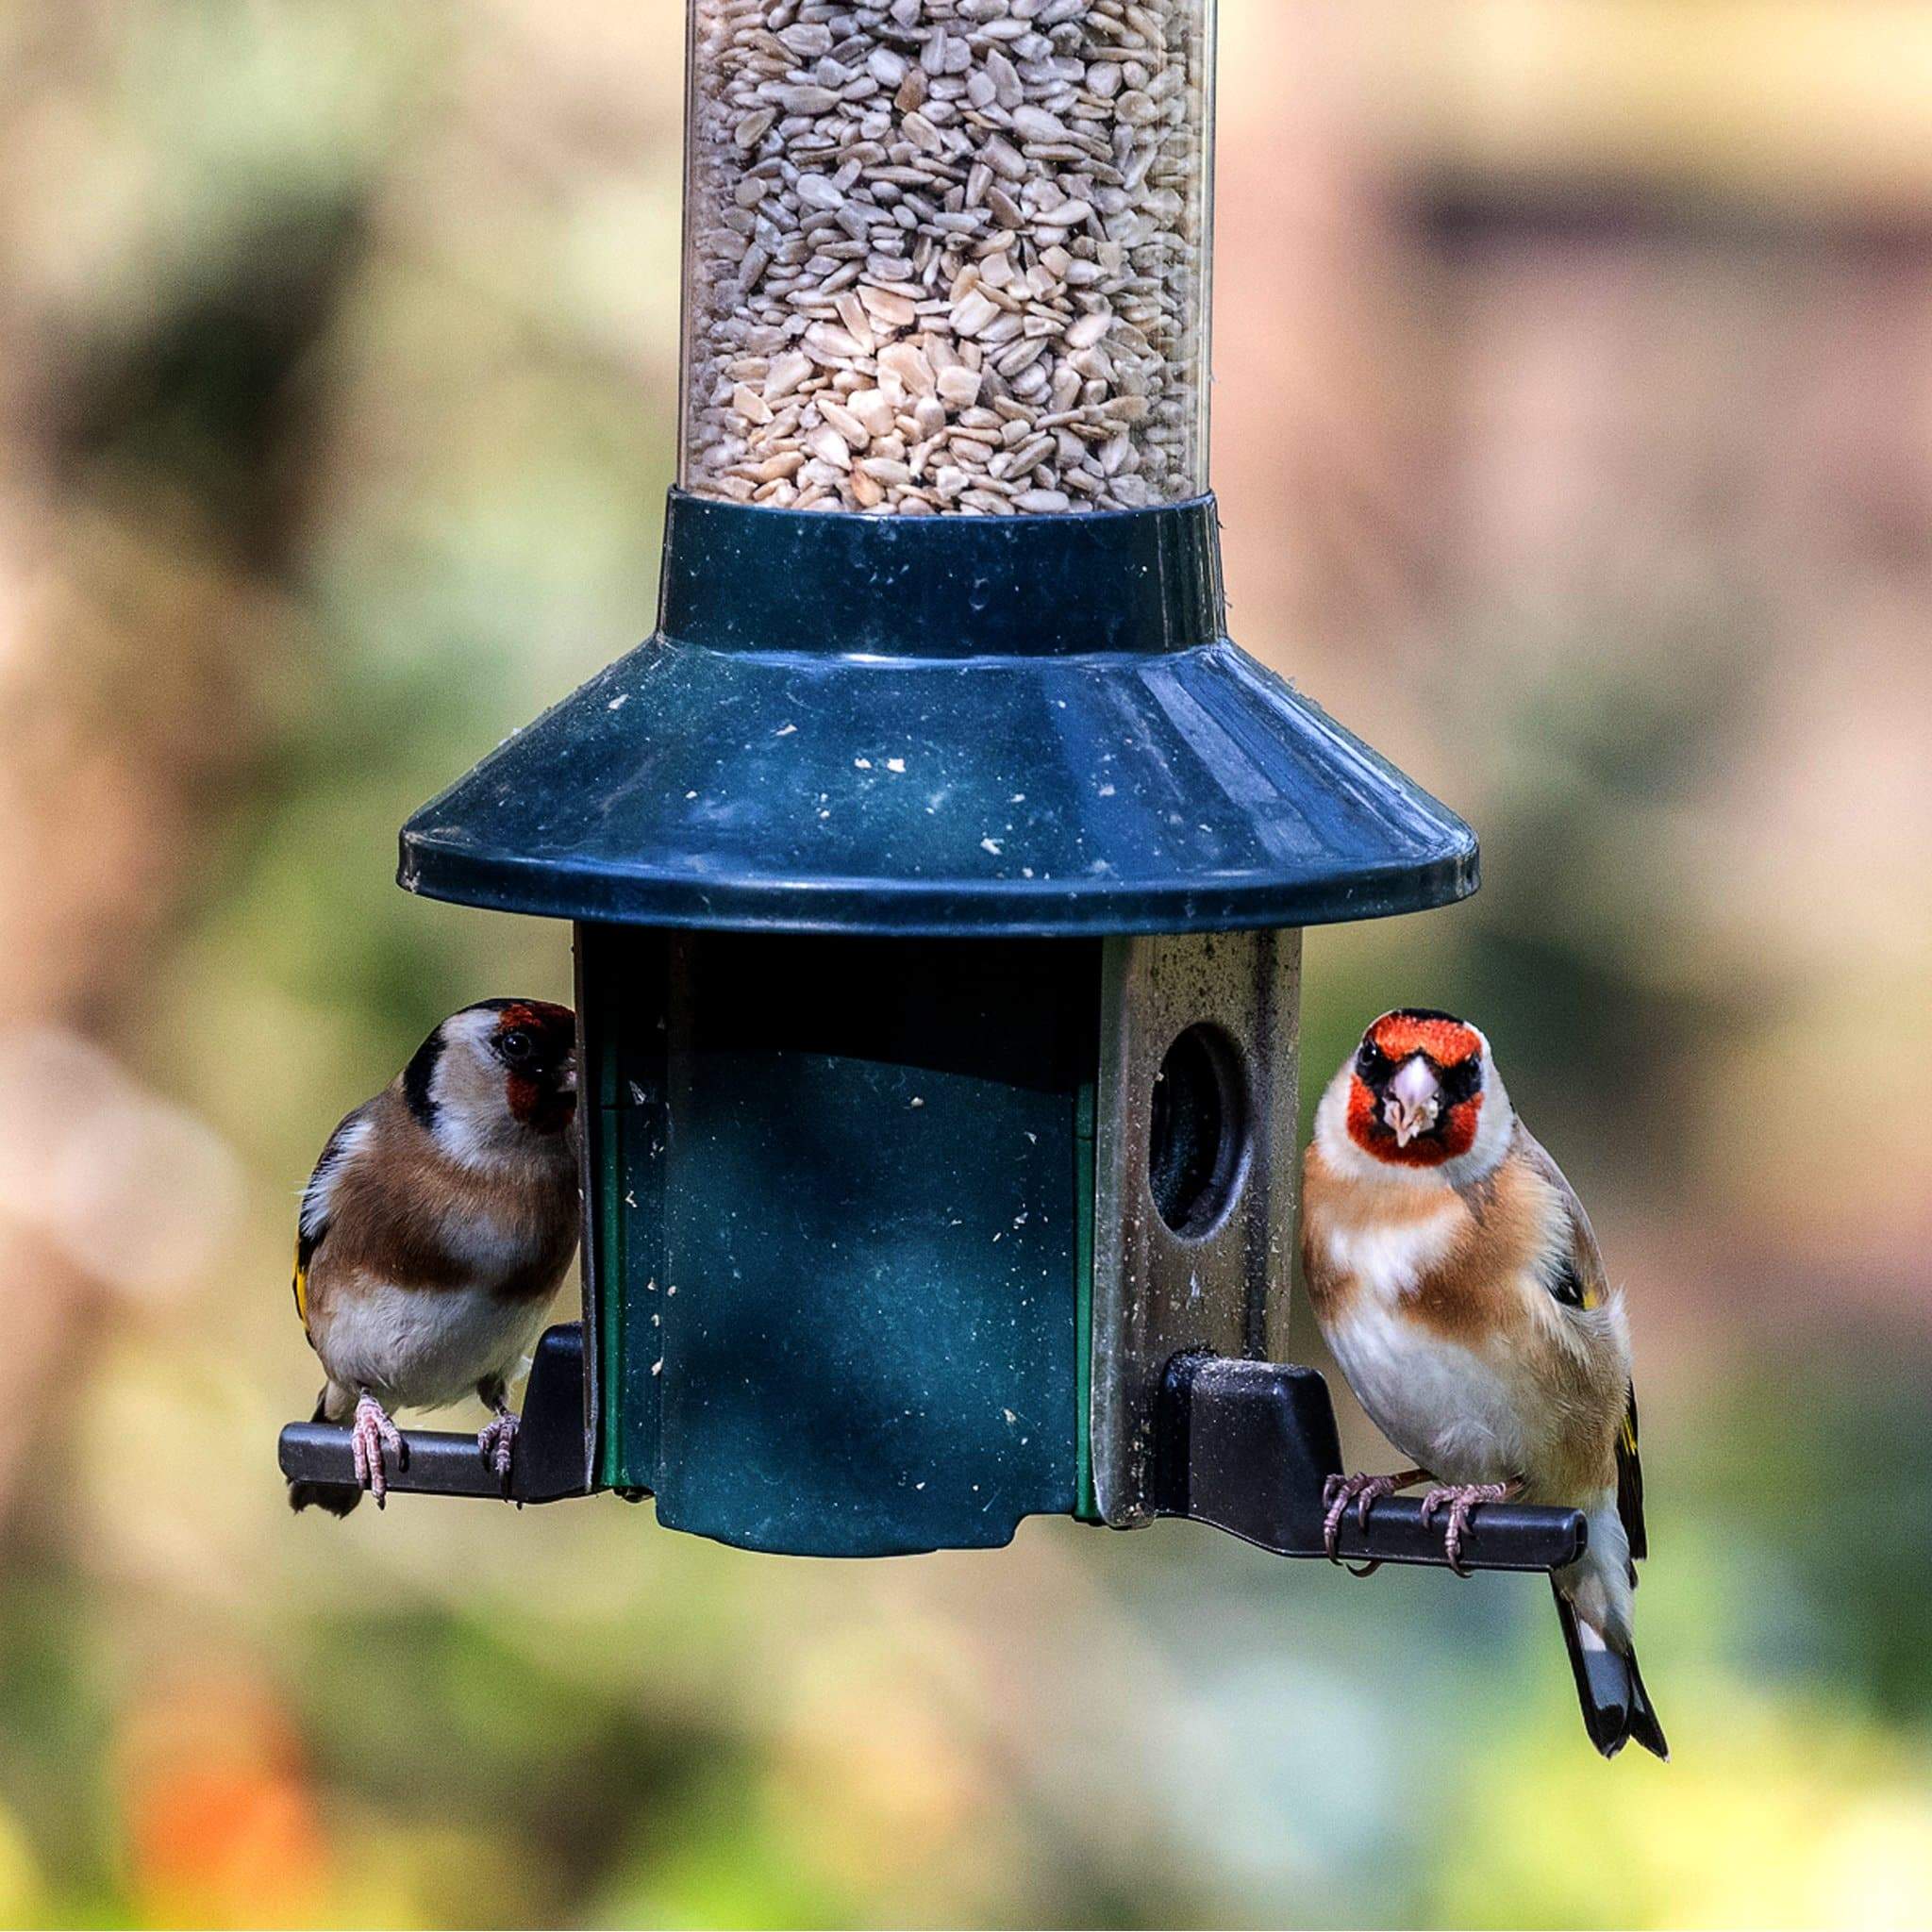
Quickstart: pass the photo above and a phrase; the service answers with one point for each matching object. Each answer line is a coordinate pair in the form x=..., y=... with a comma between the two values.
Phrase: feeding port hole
x=1197, y=1142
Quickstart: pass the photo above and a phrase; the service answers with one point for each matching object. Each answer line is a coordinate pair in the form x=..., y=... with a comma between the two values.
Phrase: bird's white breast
x=1389, y=1258
x=423, y=1348
x=1441, y=1403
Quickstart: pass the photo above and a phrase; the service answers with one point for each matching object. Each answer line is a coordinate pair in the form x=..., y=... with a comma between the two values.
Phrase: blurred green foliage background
x=1574, y=441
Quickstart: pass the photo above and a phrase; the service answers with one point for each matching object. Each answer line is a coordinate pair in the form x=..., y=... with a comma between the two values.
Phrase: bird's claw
x=369, y=1434
x=1364, y=1492
x=1462, y=1502
x=496, y=1441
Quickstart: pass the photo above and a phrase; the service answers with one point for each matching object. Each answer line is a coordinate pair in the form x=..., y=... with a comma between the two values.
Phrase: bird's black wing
x=1630, y=1482
x=1577, y=1280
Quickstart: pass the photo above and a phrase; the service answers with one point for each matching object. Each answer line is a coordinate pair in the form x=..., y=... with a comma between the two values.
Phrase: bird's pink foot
x=496, y=1440
x=1364, y=1492
x=1463, y=1501
x=369, y=1434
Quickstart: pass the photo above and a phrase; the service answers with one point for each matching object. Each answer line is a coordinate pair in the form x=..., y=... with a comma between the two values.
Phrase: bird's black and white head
x=1419, y=1097
x=498, y=1081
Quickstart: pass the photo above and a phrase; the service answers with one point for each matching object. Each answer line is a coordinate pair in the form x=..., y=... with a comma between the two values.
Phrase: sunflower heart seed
x=948, y=257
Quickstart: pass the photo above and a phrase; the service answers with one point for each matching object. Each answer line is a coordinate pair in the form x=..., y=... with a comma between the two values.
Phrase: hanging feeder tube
x=938, y=869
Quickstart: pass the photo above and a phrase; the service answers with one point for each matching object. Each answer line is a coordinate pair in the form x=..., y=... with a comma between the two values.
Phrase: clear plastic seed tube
x=948, y=257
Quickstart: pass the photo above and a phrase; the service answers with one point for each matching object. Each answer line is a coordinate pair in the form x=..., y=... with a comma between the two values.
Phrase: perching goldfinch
x=1457, y=1280
x=435, y=1230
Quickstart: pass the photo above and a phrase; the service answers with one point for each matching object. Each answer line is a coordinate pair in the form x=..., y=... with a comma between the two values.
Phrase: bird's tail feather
x=337, y=1498
x=1616, y=1707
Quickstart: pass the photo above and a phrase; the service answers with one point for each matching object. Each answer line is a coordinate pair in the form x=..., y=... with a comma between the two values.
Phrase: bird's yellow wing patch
x=301, y=1283
x=1630, y=1483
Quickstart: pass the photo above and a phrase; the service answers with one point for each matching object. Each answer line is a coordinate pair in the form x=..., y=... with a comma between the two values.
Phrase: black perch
x=1249, y=1448
x=1244, y=1446
x=546, y=1461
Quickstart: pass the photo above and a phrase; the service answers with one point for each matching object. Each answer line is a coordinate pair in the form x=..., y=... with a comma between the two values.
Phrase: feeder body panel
x=1196, y=1179
x=948, y=260
x=854, y=1328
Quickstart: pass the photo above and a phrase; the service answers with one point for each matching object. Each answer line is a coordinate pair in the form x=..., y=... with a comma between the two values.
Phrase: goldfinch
x=435, y=1231
x=1457, y=1280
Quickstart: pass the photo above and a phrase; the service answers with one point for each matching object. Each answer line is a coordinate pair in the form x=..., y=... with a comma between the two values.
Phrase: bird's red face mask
x=1415, y=1097
x=538, y=1046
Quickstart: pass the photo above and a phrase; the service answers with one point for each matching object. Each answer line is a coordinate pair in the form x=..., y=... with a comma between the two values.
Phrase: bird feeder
x=939, y=869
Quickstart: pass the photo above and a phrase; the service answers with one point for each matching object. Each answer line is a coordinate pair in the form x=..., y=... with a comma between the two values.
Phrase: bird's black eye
x=516, y=1046
x=1372, y=1060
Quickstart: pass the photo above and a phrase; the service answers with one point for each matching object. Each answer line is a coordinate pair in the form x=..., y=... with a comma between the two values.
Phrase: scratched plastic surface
x=839, y=1288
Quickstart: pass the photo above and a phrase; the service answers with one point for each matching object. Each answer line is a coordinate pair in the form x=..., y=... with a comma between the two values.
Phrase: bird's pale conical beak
x=567, y=1075
x=1415, y=1101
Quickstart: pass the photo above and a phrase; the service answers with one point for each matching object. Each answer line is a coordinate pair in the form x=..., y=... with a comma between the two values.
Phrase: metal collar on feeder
x=938, y=867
